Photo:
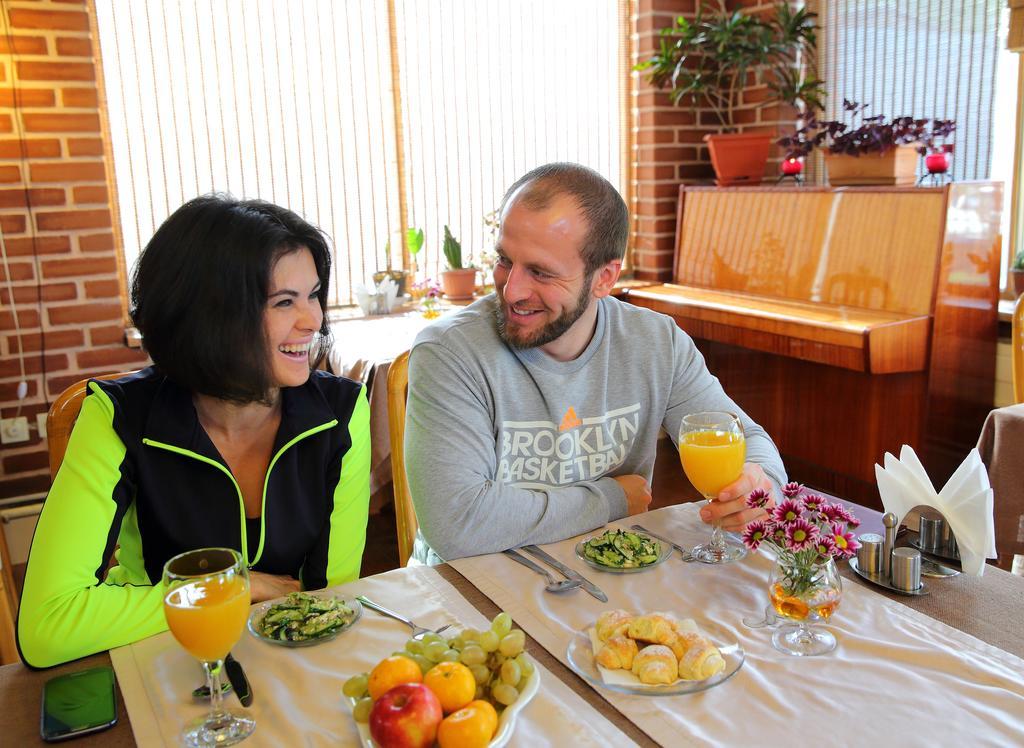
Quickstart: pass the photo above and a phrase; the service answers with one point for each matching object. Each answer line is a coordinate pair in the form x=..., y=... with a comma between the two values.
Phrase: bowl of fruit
x=465, y=690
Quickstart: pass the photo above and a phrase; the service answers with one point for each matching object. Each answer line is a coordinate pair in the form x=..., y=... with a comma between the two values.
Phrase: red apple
x=407, y=716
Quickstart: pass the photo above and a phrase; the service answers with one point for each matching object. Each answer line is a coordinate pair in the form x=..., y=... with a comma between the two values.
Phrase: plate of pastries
x=653, y=654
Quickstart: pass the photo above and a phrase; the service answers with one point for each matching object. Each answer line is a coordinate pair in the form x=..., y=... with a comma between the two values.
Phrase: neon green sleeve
x=347, y=536
x=66, y=612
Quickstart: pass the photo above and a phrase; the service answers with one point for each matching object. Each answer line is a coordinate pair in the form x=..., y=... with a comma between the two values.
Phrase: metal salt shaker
x=906, y=569
x=890, y=521
x=869, y=556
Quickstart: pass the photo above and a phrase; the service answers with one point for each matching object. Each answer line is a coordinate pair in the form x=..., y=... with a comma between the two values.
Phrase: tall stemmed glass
x=206, y=602
x=713, y=449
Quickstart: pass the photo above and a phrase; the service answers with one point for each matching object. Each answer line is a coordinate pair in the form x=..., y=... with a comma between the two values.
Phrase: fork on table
x=417, y=630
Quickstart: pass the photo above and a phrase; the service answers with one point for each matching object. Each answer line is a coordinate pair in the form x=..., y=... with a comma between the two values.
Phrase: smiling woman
x=228, y=440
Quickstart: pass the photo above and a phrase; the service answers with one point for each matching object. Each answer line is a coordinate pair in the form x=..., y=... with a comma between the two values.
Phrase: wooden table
x=988, y=608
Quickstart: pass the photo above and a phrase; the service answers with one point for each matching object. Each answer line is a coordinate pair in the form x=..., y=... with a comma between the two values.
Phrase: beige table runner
x=298, y=691
x=898, y=677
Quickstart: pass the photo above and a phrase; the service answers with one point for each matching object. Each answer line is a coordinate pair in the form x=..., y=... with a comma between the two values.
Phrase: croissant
x=612, y=623
x=653, y=628
x=698, y=657
x=617, y=653
x=655, y=664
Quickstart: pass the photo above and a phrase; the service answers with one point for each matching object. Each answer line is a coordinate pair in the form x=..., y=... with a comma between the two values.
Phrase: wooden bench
x=847, y=321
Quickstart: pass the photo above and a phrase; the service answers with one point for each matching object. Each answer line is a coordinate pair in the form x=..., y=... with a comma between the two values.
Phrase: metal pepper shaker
x=890, y=522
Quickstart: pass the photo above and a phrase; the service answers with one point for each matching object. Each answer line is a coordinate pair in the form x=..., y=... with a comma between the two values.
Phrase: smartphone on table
x=78, y=704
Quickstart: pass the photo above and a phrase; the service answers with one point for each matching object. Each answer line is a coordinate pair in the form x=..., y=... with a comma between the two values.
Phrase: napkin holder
x=378, y=299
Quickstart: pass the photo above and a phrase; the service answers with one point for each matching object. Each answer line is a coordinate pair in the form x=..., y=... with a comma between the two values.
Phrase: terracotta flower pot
x=458, y=284
x=1017, y=277
x=738, y=158
x=897, y=166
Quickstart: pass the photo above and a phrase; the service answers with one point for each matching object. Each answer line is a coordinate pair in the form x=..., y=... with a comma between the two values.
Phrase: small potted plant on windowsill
x=872, y=149
x=1017, y=273
x=458, y=281
x=707, y=61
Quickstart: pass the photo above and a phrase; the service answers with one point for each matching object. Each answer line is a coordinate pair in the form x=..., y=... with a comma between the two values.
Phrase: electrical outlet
x=41, y=424
x=14, y=430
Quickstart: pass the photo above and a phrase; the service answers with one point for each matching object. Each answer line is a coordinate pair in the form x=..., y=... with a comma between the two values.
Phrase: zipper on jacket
x=241, y=501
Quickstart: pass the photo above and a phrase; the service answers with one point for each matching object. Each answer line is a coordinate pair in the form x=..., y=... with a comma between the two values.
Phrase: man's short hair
x=200, y=290
x=603, y=208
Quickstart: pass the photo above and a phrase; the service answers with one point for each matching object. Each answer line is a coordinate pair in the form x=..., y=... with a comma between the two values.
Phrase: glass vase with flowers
x=807, y=534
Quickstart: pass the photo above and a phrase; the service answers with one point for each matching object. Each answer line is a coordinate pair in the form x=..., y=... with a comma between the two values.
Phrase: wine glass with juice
x=206, y=602
x=713, y=449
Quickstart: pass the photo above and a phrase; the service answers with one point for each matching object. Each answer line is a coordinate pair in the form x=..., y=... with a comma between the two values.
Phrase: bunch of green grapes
x=496, y=657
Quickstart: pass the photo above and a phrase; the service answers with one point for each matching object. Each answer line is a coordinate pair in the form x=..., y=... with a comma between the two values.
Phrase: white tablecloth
x=897, y=677
x=298, y=691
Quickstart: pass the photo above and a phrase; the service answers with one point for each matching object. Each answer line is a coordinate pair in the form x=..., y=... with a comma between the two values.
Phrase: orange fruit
x=391, y=672
x=452, y=683
x=473, y=726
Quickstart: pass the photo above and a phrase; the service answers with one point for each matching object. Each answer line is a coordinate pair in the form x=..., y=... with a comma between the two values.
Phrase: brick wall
x=669, y=144
x=55, y=213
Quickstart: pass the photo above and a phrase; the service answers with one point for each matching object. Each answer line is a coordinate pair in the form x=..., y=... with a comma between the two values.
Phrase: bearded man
x=534, y=413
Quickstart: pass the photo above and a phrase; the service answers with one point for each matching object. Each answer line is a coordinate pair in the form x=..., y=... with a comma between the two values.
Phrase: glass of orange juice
x=206, y=602
x=713, y=449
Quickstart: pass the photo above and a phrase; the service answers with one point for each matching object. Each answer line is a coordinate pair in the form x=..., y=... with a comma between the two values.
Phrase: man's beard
x=552, y=330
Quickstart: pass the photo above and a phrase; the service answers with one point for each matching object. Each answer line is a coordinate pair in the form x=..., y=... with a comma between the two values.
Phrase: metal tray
x=876, y=579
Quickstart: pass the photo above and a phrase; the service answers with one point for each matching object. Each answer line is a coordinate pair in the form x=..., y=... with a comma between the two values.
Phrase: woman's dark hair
x=200, y=290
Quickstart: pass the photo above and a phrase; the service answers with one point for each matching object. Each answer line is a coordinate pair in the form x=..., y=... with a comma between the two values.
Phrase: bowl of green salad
x=621, y=551
x=304, y=618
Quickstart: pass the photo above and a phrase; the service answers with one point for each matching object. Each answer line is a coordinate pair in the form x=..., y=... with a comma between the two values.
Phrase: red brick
x=23, y=45
x=68, y=171
x=20, y=198
x=22, y=97
x=96, y=242
x=73, y=219
x=27, y=462
x=56, y=71
x=102, y=289
x=50, y=292
x=61, y=122
x=113, y=358
x=39, y=245
x=662, y=118
x=85, y=147
x=81, y=313
x=32, y=148
x=73, y=46
x=19, y=271
x=55, y=340
x=11, y=366
x=10, y=174
x=66, y=20
x=75, y=266
x=106, y=335
x=12, y=224
x=647, y=173
x=80, y=97
x=23, y=486
x=27, y=319
x=92, y=194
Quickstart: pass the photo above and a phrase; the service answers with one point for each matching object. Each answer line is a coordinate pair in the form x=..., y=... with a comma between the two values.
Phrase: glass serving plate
x=581, y=662
x=256, y=616
x=664, y=551
x=506, y=722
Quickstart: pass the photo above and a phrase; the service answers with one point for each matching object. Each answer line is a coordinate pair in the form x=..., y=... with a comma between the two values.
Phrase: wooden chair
x=405, y=512
x=1017, y=343
x=63, y=414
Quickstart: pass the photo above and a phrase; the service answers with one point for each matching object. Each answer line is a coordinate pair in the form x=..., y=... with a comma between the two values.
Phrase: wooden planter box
x=897, y=166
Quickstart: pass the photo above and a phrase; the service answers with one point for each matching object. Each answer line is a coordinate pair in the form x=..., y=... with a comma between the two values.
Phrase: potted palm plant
x=707, y=60
x=458, y=281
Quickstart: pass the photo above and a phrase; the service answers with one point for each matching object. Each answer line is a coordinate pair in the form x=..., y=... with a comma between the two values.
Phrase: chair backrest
x=405, y=512
x=63, y=414
x=1017, y=341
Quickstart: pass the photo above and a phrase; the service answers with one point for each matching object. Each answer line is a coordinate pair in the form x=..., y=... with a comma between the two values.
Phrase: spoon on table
x=552, y=585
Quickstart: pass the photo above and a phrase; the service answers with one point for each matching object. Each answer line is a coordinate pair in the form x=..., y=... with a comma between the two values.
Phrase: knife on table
x=236, y=675
x=569, y=572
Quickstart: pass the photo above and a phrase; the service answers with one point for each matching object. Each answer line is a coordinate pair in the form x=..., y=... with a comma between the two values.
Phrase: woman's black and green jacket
x=141, y=476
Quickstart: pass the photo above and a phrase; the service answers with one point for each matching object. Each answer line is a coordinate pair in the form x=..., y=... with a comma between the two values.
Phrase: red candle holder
x=792, y=166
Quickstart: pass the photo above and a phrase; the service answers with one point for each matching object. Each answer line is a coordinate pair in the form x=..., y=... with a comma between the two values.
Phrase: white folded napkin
x=380, y=300
x=965, y=502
